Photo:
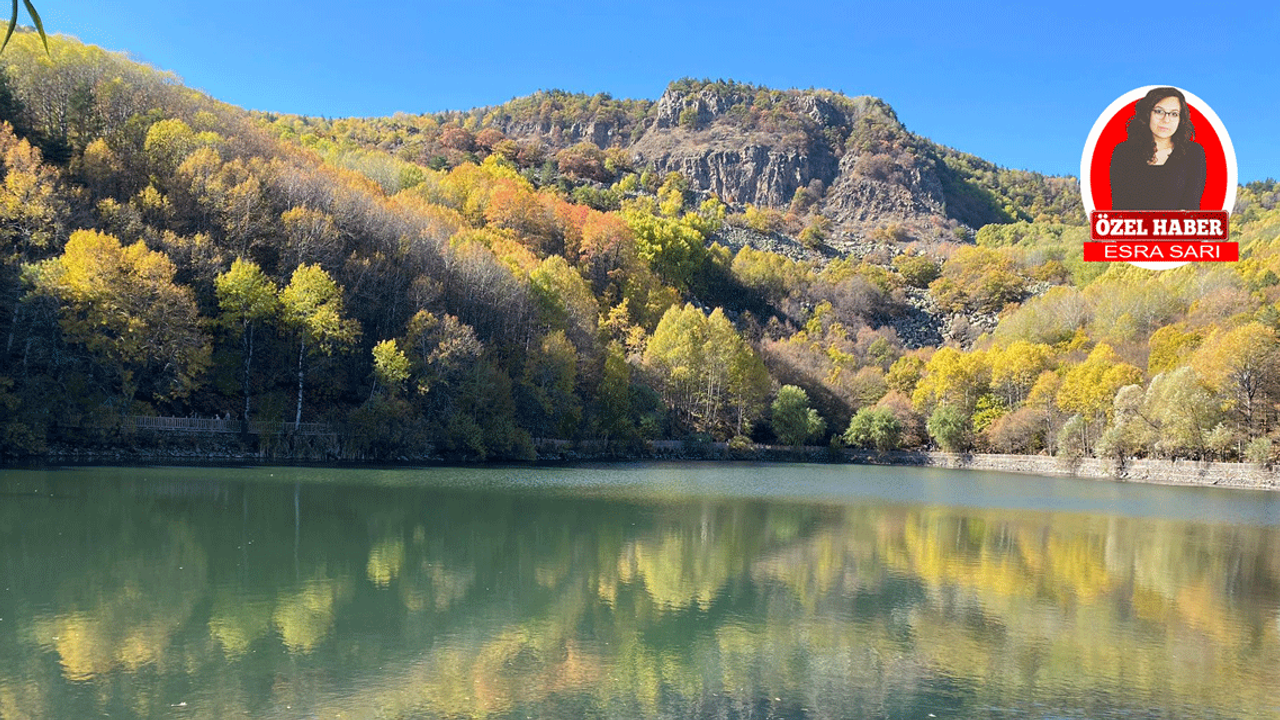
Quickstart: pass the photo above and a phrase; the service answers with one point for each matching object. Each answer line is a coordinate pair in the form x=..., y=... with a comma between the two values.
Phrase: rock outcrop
x=859, y=166
x=718, y=141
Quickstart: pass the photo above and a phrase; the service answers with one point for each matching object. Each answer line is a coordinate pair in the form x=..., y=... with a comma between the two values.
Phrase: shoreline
x=1188, y=473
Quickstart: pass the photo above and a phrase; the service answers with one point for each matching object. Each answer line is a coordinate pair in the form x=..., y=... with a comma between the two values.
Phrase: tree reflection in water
x=129, y=593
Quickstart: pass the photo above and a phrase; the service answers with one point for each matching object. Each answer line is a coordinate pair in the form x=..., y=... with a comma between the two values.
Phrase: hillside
x=847, y=165
x=728, y=262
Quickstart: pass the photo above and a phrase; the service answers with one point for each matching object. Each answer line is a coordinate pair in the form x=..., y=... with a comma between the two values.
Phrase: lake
x=716, y=590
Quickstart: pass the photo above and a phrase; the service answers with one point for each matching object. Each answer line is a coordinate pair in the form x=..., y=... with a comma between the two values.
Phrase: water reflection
x=214, y=594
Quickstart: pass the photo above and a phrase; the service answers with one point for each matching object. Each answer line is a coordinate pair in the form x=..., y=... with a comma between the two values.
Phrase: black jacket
x=1175, y=185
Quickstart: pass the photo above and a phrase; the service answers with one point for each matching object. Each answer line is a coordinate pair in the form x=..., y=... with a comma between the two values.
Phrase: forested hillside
x=728, y=262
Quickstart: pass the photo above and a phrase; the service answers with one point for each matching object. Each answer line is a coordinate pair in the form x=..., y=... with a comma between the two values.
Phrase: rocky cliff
x=850, y=159
x=763, y=148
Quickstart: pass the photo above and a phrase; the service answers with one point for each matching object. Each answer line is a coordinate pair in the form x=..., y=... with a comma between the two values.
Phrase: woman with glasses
x=1160, y=166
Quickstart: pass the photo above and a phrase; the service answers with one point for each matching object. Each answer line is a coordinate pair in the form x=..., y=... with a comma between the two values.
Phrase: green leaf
x=13, y=23
x=35, y=17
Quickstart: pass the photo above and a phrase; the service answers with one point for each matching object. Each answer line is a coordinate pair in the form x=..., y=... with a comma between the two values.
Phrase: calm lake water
x=637, y=591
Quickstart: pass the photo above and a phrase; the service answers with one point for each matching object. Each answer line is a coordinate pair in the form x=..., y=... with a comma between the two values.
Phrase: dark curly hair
x=1141, y=141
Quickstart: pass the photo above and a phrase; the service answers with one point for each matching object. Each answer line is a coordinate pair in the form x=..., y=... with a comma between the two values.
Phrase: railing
x=217, y=425
x=224, y=425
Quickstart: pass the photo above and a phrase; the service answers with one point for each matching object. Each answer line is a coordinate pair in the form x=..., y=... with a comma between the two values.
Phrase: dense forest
x=460, y=285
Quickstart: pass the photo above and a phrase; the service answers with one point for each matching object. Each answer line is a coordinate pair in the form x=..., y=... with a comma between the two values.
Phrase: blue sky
x=1020, y=86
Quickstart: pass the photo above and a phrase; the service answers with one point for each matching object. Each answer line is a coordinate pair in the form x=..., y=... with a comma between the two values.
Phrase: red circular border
x=1215, y=179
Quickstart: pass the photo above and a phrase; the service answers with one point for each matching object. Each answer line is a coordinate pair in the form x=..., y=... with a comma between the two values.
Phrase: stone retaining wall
x=1164, y=472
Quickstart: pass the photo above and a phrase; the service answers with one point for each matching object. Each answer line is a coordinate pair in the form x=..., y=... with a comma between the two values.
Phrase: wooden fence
x=223, y=425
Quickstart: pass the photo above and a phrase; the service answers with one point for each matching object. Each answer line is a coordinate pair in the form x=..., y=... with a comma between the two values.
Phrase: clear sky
x=1018, y=85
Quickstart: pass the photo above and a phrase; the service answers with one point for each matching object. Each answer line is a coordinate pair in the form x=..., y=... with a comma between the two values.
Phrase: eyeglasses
x=1162, y=113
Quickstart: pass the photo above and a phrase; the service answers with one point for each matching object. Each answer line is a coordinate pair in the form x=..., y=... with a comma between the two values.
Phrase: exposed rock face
x=701, y=135
x=602, y=133
x=902, y=194
x=707, y=104
x=758, y=173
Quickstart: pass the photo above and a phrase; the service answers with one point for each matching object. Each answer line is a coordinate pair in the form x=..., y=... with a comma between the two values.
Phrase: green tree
x=794, y=421
x=874, y=427
x=550, y=373
x=614, y=395
x=949, y=427
x=313, y=308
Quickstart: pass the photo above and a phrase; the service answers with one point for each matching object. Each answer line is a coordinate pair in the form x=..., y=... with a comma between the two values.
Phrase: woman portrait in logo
x=1160, y=166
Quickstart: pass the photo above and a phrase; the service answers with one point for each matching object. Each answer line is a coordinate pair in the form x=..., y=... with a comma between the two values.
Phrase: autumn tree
x=954, y=377
x=1177, y=414
x=1129, y=303
x=708, y=374
x=917, y=270
x=1015, y=368
x=170, y=142
x=32, y=218
x=513, y=204
x=905, y=373
x=673, y=249
x=746, y=379
x=390, y=366
x=310, y=235
x=585, y=161
x=978, y=278
x=1089, y=388
x=312, y=307
x=247, y=298
x=565, y=301
x=1241, y=365
x=122, y=304
x=1053, y=318
x=1171, y=346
